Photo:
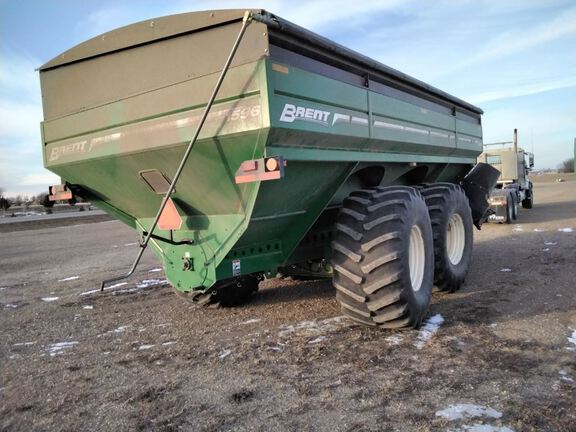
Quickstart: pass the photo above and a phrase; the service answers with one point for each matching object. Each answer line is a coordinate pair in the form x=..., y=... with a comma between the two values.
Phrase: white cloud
x=18, y=77
x=110, y=18
x=20, y=100
x=550, y=132
x=20, y=116
x=19, y=121
x=522, y=39
x=521, y=90
x=40, y=179
x=315, y=15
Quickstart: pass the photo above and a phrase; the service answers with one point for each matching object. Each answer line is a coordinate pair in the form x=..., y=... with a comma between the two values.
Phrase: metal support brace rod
x=245, y=21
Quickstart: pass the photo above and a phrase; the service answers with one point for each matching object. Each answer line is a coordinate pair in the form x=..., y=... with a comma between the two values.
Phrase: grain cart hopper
x=513, y=187
x=309, y=159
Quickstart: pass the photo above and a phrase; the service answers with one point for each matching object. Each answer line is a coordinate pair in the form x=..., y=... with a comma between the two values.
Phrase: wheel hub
x=455, y=239
x=416, y=257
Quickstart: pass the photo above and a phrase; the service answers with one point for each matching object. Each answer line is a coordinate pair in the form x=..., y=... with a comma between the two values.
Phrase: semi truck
x=240, y=146
x=513, y=187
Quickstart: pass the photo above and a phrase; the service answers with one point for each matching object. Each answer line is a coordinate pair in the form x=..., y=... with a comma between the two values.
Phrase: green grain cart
x=241, y=146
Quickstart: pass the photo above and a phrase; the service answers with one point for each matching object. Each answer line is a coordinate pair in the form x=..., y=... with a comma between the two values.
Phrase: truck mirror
x=531, y=160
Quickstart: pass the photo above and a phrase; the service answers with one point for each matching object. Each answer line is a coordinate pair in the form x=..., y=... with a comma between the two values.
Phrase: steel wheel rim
x=455, y=239
x=416, y=258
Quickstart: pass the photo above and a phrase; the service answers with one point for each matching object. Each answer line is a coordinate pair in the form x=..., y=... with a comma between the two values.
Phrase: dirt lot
x=500, y=355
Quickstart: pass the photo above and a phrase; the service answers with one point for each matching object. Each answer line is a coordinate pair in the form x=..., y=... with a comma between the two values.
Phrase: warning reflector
x=170, y=218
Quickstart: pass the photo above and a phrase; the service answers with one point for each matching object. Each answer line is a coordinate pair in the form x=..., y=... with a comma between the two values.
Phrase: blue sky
x=515, y=59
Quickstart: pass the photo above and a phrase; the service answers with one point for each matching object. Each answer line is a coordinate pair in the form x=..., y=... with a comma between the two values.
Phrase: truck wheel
x=383, y=257
x=509, y=208
x=512, y=194
x=451, y=219
x=514, y=208
x=513, y=197
x=528, y=202
x=226, y=293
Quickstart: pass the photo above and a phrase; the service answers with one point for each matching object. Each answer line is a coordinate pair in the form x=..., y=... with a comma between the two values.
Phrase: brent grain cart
x=241, y=146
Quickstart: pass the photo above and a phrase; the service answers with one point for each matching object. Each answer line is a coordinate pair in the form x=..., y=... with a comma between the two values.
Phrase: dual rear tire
x=392, y=243
x=452, y=224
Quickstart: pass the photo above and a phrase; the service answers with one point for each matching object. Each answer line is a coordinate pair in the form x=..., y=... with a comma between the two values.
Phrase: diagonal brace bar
x=245, y=21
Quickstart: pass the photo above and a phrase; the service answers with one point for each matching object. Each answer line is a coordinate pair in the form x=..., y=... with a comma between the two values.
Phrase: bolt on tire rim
x=455, y=239
x=416, y=258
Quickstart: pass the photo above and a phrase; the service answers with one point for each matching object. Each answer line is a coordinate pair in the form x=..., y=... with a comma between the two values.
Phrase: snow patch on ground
x=49, y=299
x=431, y=326
x=505, y=270
x=518, y=228
x=119, y=284
x=468, y=411
x=59, y=347
x=572, y=340
x=318, y=340
x=127, y=290
x=550, y=243
x=565, y=377
x=24, y=343
x=539, y=230
x=168, y=343
x=28, y=213
x=146, y=347
x=479, y=427
x=546, y=250
x=131, y=244
x=144, y=284
x=120, y=329
x=224, y=353
x=565, y=230
x=154, y=270
x=10, y=305
x=394, y=339
x=251, y=321
x=105, y=289
x=314, y=328
x=71, y=278
x=88, y=307
x=150, y=282
x=465, y=411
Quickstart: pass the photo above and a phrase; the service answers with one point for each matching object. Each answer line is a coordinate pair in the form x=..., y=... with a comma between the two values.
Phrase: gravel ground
x=500, y=355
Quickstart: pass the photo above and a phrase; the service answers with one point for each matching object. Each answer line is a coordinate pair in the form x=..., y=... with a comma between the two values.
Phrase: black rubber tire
x=512, y=190
x=528, y=202
x=515, y=209
x=513, y=197
x=443, y=201
x=370, y=257
x=509, y=209
x=226, y=293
